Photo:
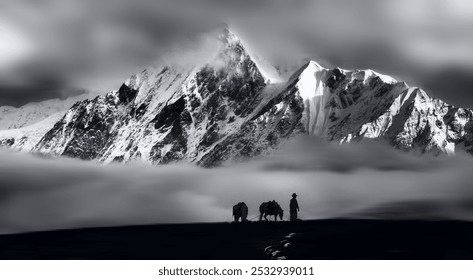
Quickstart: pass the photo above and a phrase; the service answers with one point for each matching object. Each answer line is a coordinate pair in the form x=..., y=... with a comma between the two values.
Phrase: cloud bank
x=360, y=180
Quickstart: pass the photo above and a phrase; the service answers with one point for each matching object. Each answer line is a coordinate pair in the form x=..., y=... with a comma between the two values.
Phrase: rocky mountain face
x=233, y=105
x=200, y=113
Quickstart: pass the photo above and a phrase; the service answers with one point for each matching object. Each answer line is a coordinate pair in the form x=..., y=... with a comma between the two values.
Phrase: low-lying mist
x=364, y=180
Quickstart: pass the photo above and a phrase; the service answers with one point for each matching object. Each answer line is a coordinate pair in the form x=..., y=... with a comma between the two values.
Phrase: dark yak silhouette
x=240, y=211
x=270, y=208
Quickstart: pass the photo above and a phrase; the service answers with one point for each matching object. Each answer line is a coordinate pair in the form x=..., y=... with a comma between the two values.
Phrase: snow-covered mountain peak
x=351, y=105
x=223, y=50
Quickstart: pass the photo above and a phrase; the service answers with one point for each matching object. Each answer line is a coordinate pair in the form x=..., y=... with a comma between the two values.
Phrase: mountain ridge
x=235, y=105
x=28, y=114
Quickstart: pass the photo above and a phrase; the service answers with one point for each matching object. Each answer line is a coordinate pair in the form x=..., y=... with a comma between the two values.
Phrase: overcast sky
x=52, y=45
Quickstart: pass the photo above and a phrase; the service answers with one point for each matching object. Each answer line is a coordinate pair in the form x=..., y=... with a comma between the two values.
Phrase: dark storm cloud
x=98, y=44
x=349, y=181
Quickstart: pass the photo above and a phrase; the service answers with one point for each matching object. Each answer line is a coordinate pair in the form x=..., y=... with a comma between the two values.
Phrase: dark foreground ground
x=323, y=239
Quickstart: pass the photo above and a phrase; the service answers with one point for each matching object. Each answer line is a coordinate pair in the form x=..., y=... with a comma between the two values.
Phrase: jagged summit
x=226, y=35
x=231, y=41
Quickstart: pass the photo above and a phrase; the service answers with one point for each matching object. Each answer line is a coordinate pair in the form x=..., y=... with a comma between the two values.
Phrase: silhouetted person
x=293, y=208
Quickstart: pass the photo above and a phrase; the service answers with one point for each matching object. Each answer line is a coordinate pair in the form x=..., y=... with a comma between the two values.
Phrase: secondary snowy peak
x=330, y=94
x=344, y=106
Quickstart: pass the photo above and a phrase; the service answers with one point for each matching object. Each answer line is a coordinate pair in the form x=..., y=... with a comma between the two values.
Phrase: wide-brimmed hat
x=294, y=195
